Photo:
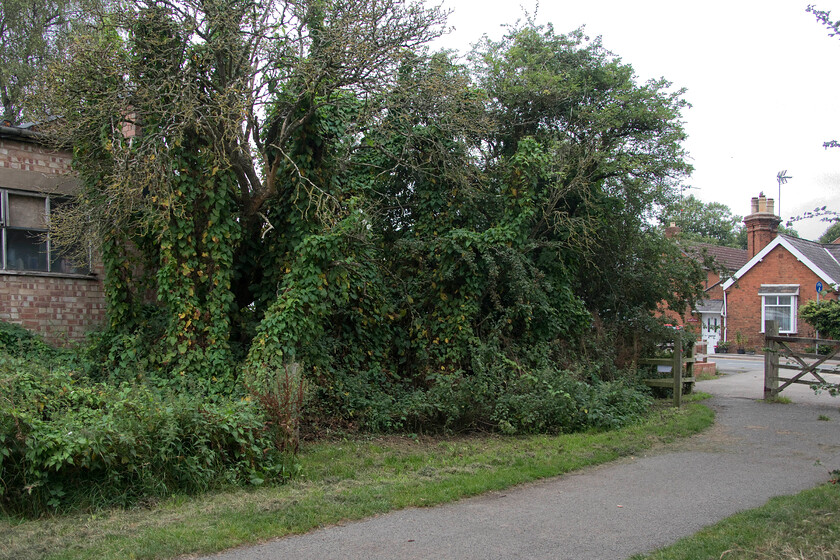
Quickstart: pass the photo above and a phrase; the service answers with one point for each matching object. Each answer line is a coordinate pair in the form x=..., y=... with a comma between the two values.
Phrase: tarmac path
x=755, y=451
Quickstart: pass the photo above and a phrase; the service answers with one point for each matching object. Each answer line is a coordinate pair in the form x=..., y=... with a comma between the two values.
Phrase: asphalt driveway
x=755, y=451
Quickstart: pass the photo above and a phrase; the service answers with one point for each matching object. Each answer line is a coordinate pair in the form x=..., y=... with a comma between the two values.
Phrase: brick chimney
x=672, y=231
x=762, y=224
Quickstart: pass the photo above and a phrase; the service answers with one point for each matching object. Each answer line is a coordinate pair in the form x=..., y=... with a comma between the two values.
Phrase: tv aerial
x=782, y=178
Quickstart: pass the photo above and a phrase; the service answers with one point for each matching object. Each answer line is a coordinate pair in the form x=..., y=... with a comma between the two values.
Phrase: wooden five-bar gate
x=776, y=346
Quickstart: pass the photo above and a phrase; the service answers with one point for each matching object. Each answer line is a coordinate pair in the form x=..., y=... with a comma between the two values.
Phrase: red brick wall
x=27, y=156
x=744, y=303
x=60, y=308
x=714, y=287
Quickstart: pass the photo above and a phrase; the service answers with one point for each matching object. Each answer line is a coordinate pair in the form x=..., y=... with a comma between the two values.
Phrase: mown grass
x=342, y=480
x=804, y=526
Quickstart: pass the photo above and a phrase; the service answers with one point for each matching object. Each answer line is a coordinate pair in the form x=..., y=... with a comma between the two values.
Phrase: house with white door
x=771, y=279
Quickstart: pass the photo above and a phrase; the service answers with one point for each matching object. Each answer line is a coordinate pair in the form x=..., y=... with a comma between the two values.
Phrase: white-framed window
x=779, y=303
x=24, y=241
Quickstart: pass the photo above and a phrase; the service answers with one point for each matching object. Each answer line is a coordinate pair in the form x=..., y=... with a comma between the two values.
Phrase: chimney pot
x=762, y=224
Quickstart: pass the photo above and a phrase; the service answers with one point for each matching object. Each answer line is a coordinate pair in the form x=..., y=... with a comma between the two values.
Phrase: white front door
x=711, y=324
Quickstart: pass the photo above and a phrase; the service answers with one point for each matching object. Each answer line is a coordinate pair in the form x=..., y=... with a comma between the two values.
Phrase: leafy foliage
x=831, y=233
x=311, y=191
x=32, y=33
x=66, y=442
x=711, y=222
x=824, y=316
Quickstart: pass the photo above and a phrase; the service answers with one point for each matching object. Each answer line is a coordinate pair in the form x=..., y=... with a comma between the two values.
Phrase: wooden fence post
x=771, y=360
x=677, y=367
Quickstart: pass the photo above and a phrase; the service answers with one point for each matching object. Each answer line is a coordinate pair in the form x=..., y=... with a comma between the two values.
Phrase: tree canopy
x=711, y=222
x=307, y=184
x=831, y=233
x=33, y=33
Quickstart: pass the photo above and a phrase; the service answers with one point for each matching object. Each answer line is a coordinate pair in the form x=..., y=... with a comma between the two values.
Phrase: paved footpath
x=755, y=451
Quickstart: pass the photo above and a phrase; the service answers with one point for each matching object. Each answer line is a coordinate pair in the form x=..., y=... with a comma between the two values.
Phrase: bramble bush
x=494, y=393
x=68, y=443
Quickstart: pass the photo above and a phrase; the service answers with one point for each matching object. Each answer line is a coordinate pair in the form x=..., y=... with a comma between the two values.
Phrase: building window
x=24, y=242
x=778, y=303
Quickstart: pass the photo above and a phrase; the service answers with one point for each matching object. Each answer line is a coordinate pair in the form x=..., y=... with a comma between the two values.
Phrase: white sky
x=763, y=79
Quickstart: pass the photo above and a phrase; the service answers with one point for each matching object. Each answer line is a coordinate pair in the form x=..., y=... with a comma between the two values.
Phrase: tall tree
x=222, y=93
x=712, y=222
x=32, y=34
x=602, y=153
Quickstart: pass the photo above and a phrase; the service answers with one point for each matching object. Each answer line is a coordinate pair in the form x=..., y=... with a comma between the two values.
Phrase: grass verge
x=806, y=525
x=342, y=480
x=707, y=376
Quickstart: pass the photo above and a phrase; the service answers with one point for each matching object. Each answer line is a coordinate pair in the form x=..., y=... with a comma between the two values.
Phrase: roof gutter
x=20, y=133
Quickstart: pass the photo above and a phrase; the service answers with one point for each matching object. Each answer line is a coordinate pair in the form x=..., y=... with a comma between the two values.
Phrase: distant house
x=771, y=279
x=708, y=313
x=40, y=289
x=780, y=277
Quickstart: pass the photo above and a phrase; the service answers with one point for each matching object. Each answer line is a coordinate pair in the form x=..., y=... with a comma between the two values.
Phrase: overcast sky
x=762, y=79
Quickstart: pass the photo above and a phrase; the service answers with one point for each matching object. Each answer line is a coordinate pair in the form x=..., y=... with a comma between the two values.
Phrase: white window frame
x=776, y=291
x=5, y=227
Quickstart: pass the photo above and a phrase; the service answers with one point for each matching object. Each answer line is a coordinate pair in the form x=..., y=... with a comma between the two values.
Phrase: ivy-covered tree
x=300, y=185
x=603, y=154
x=221, y=95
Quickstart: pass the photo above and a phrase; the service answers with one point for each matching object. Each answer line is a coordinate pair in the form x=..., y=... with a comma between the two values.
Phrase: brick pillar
x=762, y=224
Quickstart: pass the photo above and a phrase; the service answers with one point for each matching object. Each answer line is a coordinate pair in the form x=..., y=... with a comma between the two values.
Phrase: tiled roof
x=729, y=258
x=710, y=306
x=826, y=257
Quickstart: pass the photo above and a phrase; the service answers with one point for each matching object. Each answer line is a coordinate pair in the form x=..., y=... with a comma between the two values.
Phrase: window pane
x=25, y=250
x=27, y=212
x=784, y=300
x=60, y=263
x=780, y=314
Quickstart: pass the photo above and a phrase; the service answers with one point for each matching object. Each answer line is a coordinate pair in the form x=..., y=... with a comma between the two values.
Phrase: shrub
x=497, y=394
x=68, y=443
x=17, y=341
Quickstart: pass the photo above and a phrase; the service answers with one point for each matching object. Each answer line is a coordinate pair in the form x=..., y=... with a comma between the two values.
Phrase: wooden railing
x=679, y=360
x=776, y=346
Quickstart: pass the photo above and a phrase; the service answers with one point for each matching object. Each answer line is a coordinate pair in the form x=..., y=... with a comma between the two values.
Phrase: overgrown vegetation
x=296, y=202
x=67, y=442
x=410, y=232
x=341, y=479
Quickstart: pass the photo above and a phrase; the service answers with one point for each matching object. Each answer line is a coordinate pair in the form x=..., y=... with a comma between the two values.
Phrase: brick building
x=780, y=277
x=40, y=289
x=706, y=318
